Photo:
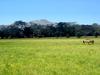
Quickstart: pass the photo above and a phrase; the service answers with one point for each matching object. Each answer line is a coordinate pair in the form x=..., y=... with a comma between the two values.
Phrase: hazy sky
x=80, y=11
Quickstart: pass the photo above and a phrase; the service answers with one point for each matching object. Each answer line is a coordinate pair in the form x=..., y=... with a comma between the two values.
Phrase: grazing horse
x=88, y=41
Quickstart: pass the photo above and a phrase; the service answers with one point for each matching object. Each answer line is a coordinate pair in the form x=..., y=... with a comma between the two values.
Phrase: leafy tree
x=21, y=29
x=96, y=34
x=28, y=32
x=15, y=32
x=20, y=24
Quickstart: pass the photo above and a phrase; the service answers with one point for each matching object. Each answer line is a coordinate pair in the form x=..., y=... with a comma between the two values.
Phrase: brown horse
x=88, y=41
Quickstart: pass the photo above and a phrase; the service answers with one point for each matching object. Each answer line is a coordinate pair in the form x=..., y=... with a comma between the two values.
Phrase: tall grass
x=49, y=57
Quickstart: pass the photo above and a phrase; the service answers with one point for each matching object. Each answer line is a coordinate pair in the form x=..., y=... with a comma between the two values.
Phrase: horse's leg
x=83, y=42
x=92, y=42
x=89, y=43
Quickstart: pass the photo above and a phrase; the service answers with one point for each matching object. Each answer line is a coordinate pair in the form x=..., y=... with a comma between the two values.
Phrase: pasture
x=62, y=56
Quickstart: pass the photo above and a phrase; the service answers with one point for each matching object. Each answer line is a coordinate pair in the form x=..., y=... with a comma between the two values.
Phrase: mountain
x=42, y=22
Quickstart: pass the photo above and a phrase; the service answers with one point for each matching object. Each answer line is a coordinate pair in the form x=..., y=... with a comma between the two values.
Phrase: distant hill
x=41, y=22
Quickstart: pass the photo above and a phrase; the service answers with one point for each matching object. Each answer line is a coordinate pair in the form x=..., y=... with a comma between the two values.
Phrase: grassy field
x=49, y=57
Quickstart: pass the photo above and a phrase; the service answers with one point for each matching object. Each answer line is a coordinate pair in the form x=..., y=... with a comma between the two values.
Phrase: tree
x=62, y=29
x=4, y=32
x=15, y=32
x=78, y=34
x=20, y=24
x=21, y=29
x=96, y=34
x=87, y=30
x=28, y=32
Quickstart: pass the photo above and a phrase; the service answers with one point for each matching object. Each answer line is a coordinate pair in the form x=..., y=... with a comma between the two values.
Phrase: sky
x=80, y=11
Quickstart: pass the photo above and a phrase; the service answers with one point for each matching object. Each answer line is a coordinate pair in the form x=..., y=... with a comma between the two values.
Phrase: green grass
x=49, y=57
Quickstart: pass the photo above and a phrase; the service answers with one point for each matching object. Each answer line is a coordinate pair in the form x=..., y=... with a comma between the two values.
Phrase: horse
x=88, y=41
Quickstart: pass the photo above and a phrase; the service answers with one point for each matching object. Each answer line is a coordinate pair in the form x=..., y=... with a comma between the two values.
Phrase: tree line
x=21, y=29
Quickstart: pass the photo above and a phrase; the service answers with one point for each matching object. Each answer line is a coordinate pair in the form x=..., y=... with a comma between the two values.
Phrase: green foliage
x=20, y=29
x=49, y=57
